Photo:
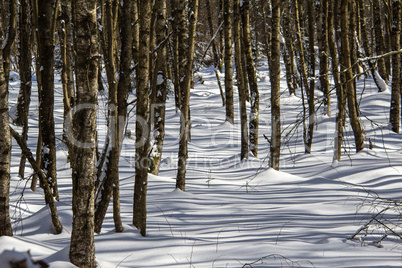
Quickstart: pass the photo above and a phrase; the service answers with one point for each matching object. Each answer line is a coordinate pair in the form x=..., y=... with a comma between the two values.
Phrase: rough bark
x=142, y=114
x=379, y=39
x=82, y=247
x=275, y=72
x=159, y=85
x=395, y=109
x=288, y=52
x=324, y=54
x=349, y=88
x=46, y=23
x=341, y=109
x=5, y=151
x=185, y=88
x=25, y=59
x=240, y=81
x=227, y=26
x=252, y=79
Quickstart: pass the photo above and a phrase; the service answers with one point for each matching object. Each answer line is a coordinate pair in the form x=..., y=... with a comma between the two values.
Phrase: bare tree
x=275, y=72
x=252, y=79
x=241, y=86
x=227, y=18
x=395, y=111
x=5, y=138
x=187, y=40
x=142, y=114
x=348, y=78
x=82, y=247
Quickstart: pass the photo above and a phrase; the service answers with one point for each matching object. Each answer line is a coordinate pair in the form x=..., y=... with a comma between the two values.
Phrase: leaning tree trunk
x=82, y=247
x=346, y=67
x=227, y=26
x=275, y=72
x=142, y=114
x=252, y=79
x=395, y=110
x=240, y=81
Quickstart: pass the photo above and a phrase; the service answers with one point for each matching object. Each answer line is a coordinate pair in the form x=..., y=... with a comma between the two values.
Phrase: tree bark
x=240, y=81
x=5, y=147
x=46, y=23
x=159, y=85
x=25, y=59
x=82, y=247
x=252, y=79
x=379, y=39
x=346, y=67
x=275, y=72
x=395, y=110
x=142, y=114
x=185, y=88
x=341, y=109
x=227, y=13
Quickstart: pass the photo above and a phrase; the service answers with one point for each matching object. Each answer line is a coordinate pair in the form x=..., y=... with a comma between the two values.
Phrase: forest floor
x=234, y=213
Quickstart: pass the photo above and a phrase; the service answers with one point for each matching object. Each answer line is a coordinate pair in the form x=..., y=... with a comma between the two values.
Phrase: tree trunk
x=275, y=72
x=227, y=26
x=288, y=53
x=82, y=247
x=5, y=145
x=25, y=59
x=252, y=79
x=159, y=85
x=341, y=109
x=379, y=39
x=46, y=25
x=185, y=88
x=311, y=76
x=346, y=67
x=142, y=114
x=324, y=54
x=395, y=111
x=240, y=81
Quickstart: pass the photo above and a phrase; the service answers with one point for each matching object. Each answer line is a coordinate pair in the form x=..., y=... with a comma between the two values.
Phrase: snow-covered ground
x=233, y=213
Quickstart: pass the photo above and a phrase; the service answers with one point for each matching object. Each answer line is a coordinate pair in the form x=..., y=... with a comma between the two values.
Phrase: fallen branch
x=42, y=178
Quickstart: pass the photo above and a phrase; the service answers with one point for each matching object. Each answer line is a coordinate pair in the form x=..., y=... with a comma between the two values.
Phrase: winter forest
x=200, y=133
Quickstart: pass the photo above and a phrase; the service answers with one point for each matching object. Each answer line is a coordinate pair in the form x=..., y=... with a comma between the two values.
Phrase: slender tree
x=159, y=85
x=275, y=72
x=396, y=85
x=142, y=117
x=227, y=26
x=25, y=59
x=187, y=71
x=240, y=81
x=341, y=109
x=379, y=38
x=252, y=79
x=82, y=247
x=5, y=138
x=348, y=77
x=47, y=14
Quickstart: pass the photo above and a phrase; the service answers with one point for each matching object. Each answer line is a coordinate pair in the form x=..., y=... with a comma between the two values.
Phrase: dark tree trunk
x=275, y=72
x=142, y=114
x=395, y=112
x=227, y=26
x=240, y=81
x=82, y=247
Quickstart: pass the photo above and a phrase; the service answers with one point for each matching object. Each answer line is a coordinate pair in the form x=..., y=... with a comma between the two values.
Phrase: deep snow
x=233, y=213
